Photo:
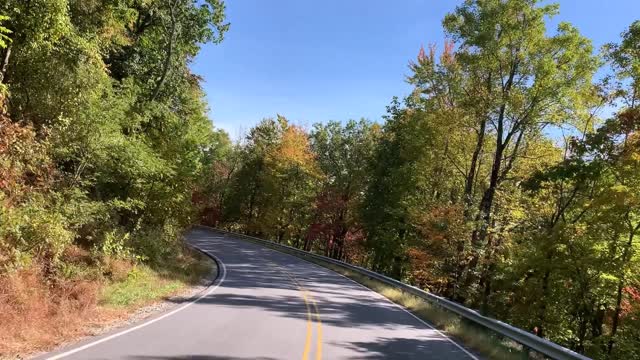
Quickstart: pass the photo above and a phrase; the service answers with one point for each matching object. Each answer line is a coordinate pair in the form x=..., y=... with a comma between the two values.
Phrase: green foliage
x=4, y=38
x=401, y=181
x=344, y=153
x=91, y=154
x=141, y=286
x=271, y=193
x=625, y=59
x=38, y=23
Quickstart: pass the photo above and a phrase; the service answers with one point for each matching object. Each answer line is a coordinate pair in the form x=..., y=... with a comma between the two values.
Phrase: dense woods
x=508, y=180
x=104, y=128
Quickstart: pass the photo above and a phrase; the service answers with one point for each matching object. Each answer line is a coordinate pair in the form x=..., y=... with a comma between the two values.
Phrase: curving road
x=268, y=305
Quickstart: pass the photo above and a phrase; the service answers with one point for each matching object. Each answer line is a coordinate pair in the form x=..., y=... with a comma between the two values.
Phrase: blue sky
x=314, y=61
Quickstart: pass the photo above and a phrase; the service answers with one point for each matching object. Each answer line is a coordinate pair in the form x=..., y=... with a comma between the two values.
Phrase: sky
x=315, y=61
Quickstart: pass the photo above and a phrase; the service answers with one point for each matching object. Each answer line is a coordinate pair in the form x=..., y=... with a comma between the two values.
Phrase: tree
x=294, y=175
x=246, y=200
x=272, y=191
x=343, y=154
x=510, y=81
x=623, y=143
x=401, y=186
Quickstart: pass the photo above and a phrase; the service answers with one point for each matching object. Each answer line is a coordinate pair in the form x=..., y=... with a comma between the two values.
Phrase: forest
x=508, y=180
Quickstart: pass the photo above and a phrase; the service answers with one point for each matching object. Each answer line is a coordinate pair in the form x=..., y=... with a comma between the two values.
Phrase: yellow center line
x=319, y=323
x=307, y=345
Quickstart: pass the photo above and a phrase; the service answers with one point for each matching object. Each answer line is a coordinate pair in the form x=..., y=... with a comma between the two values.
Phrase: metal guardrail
x=528, y=340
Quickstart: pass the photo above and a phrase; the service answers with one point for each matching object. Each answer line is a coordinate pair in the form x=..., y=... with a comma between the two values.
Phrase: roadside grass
x=38, y=311
x=188, y=267
x=144, y=284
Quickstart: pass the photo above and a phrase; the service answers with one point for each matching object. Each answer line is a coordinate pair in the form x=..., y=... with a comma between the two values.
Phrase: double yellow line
x=310, y=303
x=307, y=345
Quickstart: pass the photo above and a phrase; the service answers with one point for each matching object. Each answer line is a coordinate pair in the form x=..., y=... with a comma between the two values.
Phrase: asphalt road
x=269, y=305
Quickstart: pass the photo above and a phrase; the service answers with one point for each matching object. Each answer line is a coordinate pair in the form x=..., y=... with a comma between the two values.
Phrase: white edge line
x=371, y=290
x=140, y=326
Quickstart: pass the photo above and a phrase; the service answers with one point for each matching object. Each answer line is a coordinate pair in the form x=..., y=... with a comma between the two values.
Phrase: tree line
x=508, y=180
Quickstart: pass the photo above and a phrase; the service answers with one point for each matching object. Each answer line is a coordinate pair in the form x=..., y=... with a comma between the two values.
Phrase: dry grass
x=37, y=313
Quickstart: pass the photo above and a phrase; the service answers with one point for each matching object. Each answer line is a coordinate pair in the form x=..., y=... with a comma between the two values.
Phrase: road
x=269, y=305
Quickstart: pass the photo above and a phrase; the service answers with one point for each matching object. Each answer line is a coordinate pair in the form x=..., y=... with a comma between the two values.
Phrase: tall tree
x=623, y=143
x=515, y=81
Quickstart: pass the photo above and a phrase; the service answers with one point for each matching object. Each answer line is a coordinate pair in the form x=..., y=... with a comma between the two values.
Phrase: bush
x=34, y=229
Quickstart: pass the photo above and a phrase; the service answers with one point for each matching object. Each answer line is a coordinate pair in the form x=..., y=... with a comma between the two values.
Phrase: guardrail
x=526, y=339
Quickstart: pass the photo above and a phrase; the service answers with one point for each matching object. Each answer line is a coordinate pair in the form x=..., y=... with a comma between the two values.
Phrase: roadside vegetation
x=103, y=138
x=139, y=284
x=37, y=313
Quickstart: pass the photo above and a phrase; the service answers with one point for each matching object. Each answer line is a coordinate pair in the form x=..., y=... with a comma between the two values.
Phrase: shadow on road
x=404, y=348
x=195, y=357
x=261, y=278
x=251, y=267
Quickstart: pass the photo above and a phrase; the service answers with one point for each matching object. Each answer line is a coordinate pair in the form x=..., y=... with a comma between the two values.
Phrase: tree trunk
x=479, y=234
x=5, y=63
x=251, y=206
x=616, y=316
x=582, y=333
x=468, y=205
x=485, y=280
x=502, y=142
x=486, y=204
x=167, y=61
x=542, y=315
x=487, y=276
x=473, y=168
